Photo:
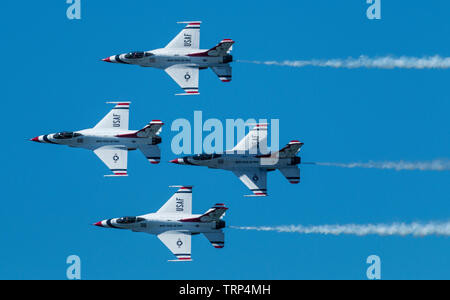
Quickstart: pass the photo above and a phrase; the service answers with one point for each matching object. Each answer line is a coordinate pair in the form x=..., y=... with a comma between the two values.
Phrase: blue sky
x=52, y=80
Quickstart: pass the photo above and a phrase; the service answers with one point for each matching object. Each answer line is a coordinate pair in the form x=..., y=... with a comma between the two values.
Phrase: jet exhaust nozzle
x=227, y=59
x=156, y=140
x=296, y=160
x=220, y=224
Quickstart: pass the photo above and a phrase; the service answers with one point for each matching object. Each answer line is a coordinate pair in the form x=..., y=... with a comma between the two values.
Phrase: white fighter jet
x=174, y=224
x=182, y=58
x=111, y=140
x=246, y=161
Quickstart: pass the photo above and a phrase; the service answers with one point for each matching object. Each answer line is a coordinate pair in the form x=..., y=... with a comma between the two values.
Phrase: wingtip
x=188, y=94
x=116, y=175
x=188, y=22
x=119, y=102
x=257, y=195
x=180, y=260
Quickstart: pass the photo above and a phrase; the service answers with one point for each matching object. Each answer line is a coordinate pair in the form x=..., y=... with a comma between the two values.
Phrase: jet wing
x=179, y=243
x=254, y=179
x=255, y=141
x=152, y=153
x=186, y=77
x=115, y=158
x=117, y=118
x=217, y=239
x=223, y=72
x=179, y=203
x=188, y=38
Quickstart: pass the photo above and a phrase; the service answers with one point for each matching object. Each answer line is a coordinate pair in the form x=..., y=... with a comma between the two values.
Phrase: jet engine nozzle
x=296, y=160
x=227, y=59
x=219, y=224
x=156, y=140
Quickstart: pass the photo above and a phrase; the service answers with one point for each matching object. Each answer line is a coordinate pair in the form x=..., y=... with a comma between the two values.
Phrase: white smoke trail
x=386, y=62
x=395, y=229
x=434, y=165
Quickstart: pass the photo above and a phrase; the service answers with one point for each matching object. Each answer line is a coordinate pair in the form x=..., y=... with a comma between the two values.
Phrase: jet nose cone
x=99, y=224
x=35, y=139
x=109, y=59
x=177, y=161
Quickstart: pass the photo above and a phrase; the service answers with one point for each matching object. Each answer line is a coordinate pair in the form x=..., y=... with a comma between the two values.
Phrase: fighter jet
x=174, y=224
x=252, y=168
x=111, y=140
x=182, y=58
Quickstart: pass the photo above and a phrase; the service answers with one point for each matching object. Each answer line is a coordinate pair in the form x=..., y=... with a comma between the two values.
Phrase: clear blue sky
x=52, y=80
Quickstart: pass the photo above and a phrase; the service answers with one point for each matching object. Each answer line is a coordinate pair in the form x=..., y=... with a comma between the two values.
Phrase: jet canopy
x=206, y=156
x=137, y=55
x=66, y=135
x=129, y=220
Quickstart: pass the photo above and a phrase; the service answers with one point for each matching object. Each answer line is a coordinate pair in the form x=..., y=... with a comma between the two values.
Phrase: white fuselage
x=164, y=58
x=238, y=161
x=158, y=223
x=93, y=138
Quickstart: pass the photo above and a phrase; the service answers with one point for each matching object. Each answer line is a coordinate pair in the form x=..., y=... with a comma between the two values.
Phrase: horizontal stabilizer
x=217, y=239
x=223, y=72
x=152, y=153
x=215, y=213
x=152, y=129
x=292, y=174
x=291, y=149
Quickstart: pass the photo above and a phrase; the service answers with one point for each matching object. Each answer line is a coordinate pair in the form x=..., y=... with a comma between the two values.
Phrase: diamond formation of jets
x=182, y=58
x=174, y=224
x=111, y=140
x=252, y=168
